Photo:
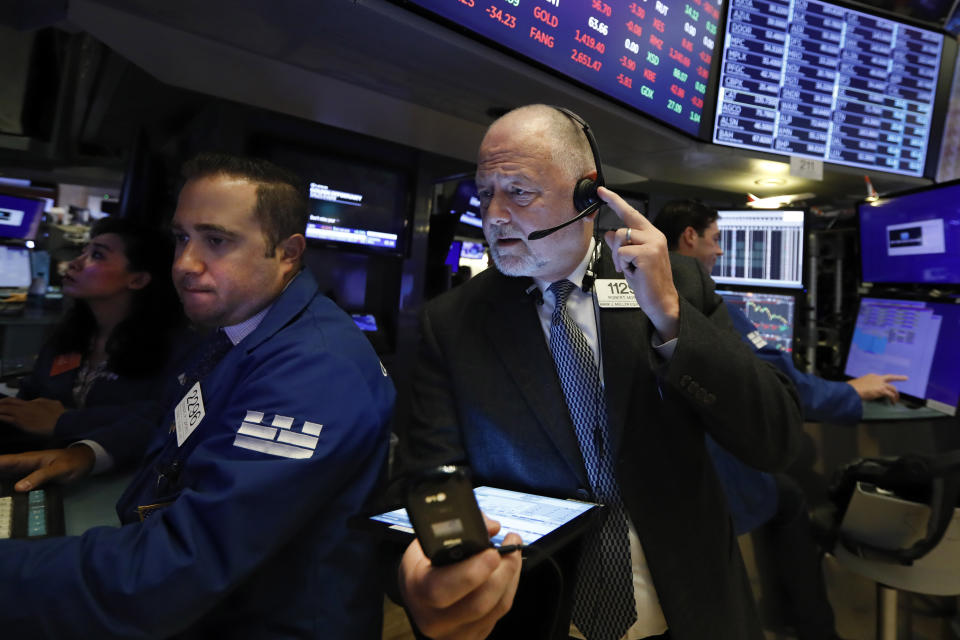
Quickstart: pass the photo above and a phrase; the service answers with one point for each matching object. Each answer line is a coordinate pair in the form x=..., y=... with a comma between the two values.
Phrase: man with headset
x=539, y=376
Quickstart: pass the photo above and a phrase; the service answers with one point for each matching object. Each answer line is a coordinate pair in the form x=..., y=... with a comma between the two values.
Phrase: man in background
x=774, y=507
x=275, y=433
x=691, y=230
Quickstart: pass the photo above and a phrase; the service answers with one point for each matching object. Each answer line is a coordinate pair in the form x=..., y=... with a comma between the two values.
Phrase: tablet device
x=543, y=522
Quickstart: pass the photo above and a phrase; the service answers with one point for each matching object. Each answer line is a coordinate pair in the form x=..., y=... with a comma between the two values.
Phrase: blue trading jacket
x=822, y=400
x=253, y=542
x=752, y=494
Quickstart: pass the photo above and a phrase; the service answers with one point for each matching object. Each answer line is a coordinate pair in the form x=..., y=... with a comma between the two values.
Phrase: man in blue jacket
x=773, y=506
x=691, y=230
x=276, y=432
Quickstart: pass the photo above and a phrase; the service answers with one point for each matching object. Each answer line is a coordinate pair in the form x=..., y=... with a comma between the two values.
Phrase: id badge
x=147, y=510
x=189, y=413
x=614, y=293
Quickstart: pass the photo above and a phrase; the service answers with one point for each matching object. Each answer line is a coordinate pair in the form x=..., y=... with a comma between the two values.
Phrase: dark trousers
x=788, y=563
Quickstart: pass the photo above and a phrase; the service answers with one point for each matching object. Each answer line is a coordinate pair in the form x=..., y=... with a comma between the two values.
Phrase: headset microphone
x=585, y=198
x=534, y=292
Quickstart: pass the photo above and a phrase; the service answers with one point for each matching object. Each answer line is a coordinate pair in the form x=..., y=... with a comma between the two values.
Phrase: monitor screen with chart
x=761, y=248
x=773, y=314
x=918, y=339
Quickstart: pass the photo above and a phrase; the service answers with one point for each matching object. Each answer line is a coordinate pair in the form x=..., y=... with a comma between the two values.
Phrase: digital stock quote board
x=815, y=79
x=653, y=55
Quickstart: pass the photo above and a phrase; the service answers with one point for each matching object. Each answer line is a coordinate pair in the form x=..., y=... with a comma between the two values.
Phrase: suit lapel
x=515, y=334
x=624, y=336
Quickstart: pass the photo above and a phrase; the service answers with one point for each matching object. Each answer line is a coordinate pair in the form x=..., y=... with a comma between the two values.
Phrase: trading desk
x=92, y=502
x=884, y=431
x=883, y=410
x=882, y=434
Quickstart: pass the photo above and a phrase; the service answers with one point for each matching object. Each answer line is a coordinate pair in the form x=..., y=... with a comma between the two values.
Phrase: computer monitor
x=761, y=248
x=14, y=267
x=826, y=81
x=918, y=339
x=353, y=203
x=19, y=217
x=359, y=206
x=773, y=314
x=912, y=237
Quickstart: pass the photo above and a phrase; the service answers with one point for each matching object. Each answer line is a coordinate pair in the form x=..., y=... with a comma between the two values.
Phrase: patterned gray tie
x=604, y=606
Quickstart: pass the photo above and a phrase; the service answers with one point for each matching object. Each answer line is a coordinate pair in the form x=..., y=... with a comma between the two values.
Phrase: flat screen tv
x=825, y=81
x=354, y=204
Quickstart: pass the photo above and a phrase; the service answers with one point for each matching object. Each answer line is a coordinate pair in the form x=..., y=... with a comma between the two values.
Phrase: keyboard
x=883, y=410
x=31, y=515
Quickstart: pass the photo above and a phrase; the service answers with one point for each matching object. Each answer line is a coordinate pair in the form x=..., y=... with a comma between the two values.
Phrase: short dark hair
x=677, y=215
x=281, y=194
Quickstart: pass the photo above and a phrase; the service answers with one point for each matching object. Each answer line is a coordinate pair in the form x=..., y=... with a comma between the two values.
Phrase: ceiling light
x=770, y=182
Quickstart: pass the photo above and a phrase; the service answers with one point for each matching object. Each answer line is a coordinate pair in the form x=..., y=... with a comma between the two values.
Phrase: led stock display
x=653, y=55
x=814, y=79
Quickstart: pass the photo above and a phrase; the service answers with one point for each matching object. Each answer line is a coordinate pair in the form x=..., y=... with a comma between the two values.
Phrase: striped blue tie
x=604, y=606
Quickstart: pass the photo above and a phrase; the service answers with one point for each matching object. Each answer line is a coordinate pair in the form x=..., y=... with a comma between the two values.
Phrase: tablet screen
x=529, y=516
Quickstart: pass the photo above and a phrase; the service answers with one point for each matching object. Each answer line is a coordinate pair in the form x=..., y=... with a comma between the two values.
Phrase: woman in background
x=111, y=347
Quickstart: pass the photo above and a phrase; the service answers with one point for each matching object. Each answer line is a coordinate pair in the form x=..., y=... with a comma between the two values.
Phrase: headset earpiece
x=585, y=194
x=585, y=198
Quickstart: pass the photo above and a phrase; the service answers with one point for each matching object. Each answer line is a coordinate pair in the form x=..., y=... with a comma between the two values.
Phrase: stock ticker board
x=652, y=55
x=814, y=79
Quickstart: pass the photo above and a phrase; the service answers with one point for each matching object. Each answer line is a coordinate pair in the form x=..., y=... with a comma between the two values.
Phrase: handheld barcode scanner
x=445, y=515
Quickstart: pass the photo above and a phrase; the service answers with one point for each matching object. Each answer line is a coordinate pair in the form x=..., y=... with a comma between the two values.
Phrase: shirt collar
x=576, y=276
x=239, y=331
